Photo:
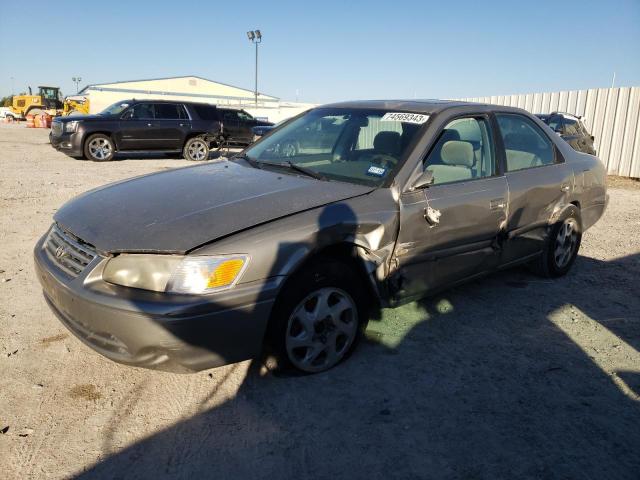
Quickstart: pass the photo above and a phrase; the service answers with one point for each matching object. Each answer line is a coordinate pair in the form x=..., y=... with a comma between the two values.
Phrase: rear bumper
x=178, y=333
x=69, y=143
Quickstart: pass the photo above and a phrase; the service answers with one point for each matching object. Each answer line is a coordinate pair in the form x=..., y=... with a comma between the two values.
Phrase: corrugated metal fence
x=612, y=115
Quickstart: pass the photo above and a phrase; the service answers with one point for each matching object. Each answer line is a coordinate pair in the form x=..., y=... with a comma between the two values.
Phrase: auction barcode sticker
x=417, y=118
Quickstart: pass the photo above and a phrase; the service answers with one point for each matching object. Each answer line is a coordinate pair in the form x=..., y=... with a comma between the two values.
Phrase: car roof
x=429, y=107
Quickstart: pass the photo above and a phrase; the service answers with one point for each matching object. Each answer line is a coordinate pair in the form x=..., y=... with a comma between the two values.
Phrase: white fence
x=612, y=115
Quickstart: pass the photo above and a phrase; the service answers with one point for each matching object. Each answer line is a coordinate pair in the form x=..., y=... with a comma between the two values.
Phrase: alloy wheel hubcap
x=566, y=241
x=197, y=150
x=100, y=148
x=321, y=329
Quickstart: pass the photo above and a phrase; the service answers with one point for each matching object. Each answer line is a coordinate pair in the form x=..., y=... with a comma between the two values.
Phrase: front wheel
x=562, y=246
x=318, y=319
x=99, y=148
x=196, y=149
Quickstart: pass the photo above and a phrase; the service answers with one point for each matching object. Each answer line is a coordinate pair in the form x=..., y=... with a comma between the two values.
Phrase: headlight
x=176, y=274
x=70, y=127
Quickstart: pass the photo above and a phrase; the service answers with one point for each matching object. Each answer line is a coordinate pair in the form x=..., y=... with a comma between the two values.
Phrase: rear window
x=169, y=111
x=206, y=112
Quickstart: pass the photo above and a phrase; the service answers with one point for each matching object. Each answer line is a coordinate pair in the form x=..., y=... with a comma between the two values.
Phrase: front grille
x=71, y=254
x=56, y=128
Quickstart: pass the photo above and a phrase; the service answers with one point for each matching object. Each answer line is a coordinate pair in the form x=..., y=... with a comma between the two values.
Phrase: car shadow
x=481, y=381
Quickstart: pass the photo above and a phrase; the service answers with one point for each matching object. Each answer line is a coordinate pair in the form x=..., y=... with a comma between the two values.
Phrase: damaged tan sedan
x=286, y=247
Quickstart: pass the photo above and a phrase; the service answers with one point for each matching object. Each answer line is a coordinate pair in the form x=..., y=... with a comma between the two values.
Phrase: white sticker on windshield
x=417, y=118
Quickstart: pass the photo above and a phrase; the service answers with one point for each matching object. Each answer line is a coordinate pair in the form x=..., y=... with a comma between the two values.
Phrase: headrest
x=456, y=152
x=449, y=134
x=387, y=142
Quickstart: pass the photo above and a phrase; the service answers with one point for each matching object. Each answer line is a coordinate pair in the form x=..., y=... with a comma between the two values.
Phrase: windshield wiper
x=248, y=159
x=306, y=171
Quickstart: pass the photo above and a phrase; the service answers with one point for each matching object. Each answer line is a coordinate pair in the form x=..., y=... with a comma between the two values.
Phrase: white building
x=192, y=89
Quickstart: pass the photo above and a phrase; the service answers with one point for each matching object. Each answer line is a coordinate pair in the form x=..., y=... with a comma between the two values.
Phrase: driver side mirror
x=423, y=181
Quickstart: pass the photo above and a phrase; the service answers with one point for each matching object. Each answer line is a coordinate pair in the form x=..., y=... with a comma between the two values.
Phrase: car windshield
x=115, y=109
x=352, y=145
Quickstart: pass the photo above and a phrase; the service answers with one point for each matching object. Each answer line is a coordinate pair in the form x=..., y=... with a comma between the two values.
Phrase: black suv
x=152, y=125
x=571, y=129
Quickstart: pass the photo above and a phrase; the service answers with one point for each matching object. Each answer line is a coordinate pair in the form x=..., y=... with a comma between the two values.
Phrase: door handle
x=497, y=204
x=149, y=124
x=565, y=187
x=184, y=124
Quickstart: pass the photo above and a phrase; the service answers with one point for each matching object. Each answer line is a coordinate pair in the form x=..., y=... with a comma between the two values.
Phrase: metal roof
x=98, y=85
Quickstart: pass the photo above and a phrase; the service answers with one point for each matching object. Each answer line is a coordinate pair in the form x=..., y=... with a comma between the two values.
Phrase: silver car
x=285, y=252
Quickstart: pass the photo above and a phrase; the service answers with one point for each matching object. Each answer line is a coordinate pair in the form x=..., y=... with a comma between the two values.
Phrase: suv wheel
x=99, y=148
x=196, y=149
x=318, y=319
x=562, y=246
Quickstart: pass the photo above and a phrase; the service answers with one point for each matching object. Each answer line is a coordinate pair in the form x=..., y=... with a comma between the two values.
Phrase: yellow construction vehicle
x=76, y=105
x=48, y=100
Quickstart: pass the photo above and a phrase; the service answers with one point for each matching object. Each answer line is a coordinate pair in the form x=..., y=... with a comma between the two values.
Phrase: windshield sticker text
x=416, y=118
x=376, y=171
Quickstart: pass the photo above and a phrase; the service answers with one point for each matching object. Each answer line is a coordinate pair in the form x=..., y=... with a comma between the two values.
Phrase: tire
x=34, y=111
x=196, y=149
x=562, y=245
x=99, y=148
x=329, y=296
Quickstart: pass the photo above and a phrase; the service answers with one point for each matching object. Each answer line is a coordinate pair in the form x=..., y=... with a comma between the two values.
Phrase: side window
x=166, y=111
x=142, y=111
x=526, y=146
x=244, y=116
x=464, y=151
x=555, y=123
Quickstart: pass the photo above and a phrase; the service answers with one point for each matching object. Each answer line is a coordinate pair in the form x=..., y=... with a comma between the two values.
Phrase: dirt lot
x=508, y=377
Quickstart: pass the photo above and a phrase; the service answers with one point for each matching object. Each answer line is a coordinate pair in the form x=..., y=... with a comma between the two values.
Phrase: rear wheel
x=196, y=149
x=99, y=148
x=318, y=319
x=562, y=245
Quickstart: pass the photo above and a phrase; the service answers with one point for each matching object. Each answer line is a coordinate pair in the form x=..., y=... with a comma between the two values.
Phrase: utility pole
x=77, y=81
x=255, y=37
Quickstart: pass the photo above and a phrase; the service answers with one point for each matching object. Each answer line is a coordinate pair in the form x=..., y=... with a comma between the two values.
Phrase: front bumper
x=177, y=333
x=69, y=143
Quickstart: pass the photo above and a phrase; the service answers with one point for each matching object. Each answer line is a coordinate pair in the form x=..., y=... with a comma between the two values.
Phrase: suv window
x=244, y=116
x=140, y=111
x=526, y=146
x=206, y=112
x=169, y=111
x=555, y=122
x=464, y=151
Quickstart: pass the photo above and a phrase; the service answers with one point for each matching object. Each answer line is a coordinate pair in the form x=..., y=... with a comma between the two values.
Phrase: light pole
x=77, y=81
x=255, y=37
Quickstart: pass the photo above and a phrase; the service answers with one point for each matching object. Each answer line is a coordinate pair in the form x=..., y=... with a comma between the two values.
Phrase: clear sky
x=327, y=50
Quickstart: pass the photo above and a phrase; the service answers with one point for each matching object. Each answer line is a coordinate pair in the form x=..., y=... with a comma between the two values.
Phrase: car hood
x=179, y=210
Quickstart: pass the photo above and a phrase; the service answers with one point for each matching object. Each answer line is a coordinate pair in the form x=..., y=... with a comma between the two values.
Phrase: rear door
x=539, y=180
x=170, y=126
x=449, y=230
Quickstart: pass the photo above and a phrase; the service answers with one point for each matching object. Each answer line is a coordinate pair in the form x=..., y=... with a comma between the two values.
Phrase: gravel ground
x=508, y=377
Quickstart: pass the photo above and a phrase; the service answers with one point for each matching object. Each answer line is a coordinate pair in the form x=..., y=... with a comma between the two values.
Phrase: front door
x=449, y=231
x=136, y=128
